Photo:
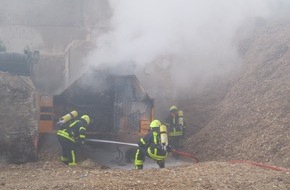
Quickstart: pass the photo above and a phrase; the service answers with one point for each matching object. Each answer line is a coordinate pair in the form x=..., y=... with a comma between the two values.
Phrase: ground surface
x=244, y=118
x=206, y=175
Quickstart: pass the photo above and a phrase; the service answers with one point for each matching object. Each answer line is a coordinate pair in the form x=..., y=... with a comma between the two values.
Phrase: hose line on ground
x=261, y=165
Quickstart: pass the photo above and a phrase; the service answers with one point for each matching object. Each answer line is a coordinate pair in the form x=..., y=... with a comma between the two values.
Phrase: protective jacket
x=150, y=145
x=69, y=137
x=174, y=127
x=75, y=132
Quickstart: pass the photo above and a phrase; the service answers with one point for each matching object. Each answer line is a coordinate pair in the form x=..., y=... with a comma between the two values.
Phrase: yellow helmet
x=86, y=118
x=173, y=108
x=155, y=123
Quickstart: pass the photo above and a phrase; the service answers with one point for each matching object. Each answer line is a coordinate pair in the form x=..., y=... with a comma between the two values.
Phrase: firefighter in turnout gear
x=70, y=136
x=176, y=126
x=154, y=145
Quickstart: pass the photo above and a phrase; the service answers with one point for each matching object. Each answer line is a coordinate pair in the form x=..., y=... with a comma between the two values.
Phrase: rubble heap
x=19, y=118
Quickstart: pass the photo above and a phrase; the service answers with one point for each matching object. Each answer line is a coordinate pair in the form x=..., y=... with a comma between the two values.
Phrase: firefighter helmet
x=155, y=123
x=173, y=108
x=86, y=118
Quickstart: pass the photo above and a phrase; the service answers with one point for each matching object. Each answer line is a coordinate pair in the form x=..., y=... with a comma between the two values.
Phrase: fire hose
x=261, y=165
x=184, y=154
x=195, y=159
x=111, y=142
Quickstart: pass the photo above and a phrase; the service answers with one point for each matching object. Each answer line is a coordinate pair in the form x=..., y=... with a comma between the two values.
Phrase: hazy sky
x=184, y=40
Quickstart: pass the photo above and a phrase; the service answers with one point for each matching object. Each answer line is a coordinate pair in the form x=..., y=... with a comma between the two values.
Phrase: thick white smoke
x=181, y=41
x=197, y=34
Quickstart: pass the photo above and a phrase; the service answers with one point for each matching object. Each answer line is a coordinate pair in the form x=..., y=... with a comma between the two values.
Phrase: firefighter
x=154, y=145
x=176, y=126
x=70, y=136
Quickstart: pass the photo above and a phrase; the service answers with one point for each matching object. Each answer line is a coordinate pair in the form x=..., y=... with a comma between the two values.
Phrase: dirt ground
x=205, y=175
x=99, y=170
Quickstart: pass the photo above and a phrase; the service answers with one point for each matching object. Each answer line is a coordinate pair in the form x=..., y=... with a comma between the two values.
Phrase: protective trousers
x=68, y=151
x=140, y=158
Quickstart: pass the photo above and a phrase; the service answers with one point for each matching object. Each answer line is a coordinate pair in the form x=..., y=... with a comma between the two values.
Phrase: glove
x=169, y=148
x=140, y=144
x=59, y=124
x=163, y=147
x=80, y=141
x=178, y=127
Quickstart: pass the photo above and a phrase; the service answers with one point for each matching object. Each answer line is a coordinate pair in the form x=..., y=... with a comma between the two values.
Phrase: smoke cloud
x=176, y=43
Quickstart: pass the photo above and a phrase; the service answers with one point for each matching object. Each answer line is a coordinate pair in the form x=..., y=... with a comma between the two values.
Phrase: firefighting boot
x=161, y=163
x=72, y=164
x=64, y=159
x=139, y=167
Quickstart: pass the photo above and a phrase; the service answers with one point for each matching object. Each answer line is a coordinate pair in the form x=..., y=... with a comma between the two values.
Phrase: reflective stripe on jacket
x=176, y=132
x=153, y=143
x=65, y=134
x=75, y=130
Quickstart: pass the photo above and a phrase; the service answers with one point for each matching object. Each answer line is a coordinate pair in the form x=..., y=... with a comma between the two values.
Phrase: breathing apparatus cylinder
x=163, y=135
x=180, y=118
x=68, y=116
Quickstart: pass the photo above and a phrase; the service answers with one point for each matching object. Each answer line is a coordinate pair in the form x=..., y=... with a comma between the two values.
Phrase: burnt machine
x=118, y=106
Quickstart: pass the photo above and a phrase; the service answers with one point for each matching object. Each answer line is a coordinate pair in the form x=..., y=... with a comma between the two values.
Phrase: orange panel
x=144, y=127
x=46, y=115
x=45, y=126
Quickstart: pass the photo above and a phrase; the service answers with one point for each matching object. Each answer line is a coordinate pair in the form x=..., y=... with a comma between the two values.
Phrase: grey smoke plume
x=176, y=42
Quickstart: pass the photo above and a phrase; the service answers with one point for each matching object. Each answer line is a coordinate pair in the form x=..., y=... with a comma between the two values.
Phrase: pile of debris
x=19, y=118
x=252, y=120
